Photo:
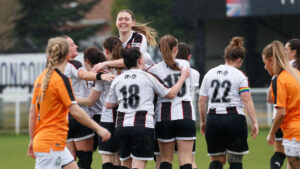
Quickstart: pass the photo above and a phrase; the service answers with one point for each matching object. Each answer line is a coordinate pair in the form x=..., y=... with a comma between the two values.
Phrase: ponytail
x=166, y=45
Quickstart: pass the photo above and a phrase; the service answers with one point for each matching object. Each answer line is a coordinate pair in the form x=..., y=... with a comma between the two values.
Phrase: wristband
x=98, y=76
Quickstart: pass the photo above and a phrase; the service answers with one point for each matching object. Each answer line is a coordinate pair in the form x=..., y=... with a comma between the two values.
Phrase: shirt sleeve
x=35, y=92
x=76, y=67
x=143, y=47
x=65, y=92
x=160, y=89
x=244, y=85
x=112, y=96
x=281, y=93
x=204, y=87
x=195, y=77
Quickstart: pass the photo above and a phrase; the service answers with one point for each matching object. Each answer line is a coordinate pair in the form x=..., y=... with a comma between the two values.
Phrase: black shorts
x=226, y=133
x=168, y=131
x=135, y=142
x=110, y=146
x=279, y=135
x=77, y=131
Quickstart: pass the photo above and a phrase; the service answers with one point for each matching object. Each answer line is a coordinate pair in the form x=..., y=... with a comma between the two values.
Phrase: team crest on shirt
x=223, y=73
x=130, y=76
x=135, y=45
x=58, y=161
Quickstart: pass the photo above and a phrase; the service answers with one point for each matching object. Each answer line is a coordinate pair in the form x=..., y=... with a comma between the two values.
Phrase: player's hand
x=271, y=139
x=108, y=77
x=202, y=128
x=255, y=130
x=99, y=67
x=30, y=152
x=185, y=72
x=103, y=133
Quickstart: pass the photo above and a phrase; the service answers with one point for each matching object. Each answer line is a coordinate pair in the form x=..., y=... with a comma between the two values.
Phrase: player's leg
x=185, y=137
x=84, y=141
x=138, y=164
x=108, y=149
x=185, y=148
x=166, y=141
x=194, y=165
x=294, y=162
x=235, y=161
x=237, y=146
x=217, y=161
x=117, y=162
x=278, y=157
x=72, y=148
x=292, y=151
x=123, y=140
x=215, y=140
x=85, y=152
x=143, y=148
x=72, y=165
x=156, y=154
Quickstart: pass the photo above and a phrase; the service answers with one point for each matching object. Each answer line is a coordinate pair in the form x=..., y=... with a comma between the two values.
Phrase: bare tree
x=10, y=11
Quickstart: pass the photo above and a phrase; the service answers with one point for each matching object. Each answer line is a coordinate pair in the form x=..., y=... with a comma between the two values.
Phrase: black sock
x=123, y=167
x=117, y=167
x=85, y=159
x=277, y=160
x=186, y=166
x=235, y=166
x=165, y=165
x=215, y=165
x=107, y=166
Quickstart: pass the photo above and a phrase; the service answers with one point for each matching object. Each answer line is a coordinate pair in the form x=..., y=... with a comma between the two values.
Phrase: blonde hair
x=57, y=50
x=276, y=51
x=142, y=28
x=235, y=49
x=166, y=45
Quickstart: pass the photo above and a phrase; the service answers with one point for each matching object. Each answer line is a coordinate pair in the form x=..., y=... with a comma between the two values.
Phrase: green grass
x=13, y=153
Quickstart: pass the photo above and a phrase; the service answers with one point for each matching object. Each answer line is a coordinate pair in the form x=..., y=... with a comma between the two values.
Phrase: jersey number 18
x=133, y=99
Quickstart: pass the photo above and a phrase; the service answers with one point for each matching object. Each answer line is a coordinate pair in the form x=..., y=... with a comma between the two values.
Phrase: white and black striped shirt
x=135, y=90
x=180, y=106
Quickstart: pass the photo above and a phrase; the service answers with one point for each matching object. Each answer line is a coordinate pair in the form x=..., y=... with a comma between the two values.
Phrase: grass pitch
x=13, y=150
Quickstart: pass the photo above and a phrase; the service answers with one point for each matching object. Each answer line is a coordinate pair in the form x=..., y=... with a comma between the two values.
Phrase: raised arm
x=111, y=63
x=92, y=76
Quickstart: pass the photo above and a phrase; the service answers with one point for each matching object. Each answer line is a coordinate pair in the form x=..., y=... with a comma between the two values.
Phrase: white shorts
x=53, y=159
x=291, y=147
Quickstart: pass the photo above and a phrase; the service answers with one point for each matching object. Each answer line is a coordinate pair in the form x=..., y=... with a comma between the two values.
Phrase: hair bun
x=125, y=53
x=237, y=42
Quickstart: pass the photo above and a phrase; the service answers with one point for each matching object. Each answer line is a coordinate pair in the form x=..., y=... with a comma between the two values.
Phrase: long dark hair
x=294, y=44
x=93, y=55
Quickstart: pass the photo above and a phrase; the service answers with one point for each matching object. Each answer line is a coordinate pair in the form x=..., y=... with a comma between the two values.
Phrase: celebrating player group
x=133, y=110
